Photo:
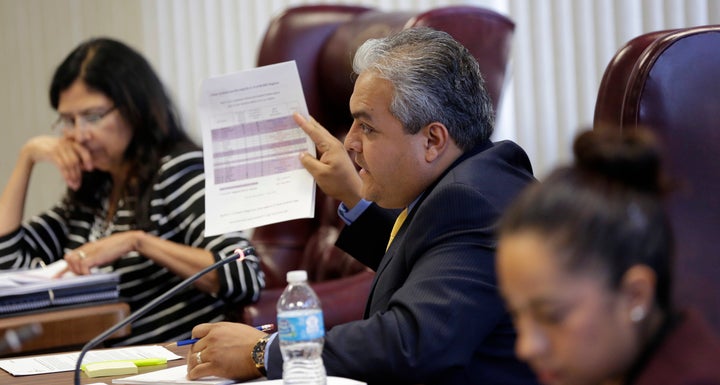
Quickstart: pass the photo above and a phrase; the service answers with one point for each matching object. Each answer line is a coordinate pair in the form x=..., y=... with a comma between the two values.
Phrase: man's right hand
x=333, y=171
x=223, y=350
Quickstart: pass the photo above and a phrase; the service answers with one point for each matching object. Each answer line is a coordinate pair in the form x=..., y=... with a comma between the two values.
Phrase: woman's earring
x=637, y=314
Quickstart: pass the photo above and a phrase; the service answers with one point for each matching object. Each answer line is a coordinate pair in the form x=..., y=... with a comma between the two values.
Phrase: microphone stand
x=238, y=254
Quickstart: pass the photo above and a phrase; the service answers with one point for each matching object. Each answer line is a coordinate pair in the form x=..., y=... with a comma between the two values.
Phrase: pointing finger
x=312, y=165
x=319, y=135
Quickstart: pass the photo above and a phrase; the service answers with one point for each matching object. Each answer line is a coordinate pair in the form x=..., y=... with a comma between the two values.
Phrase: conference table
x=67, y=378
x=66, y=328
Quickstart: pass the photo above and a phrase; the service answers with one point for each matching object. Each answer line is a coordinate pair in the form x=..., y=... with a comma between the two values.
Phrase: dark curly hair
x=125, y=76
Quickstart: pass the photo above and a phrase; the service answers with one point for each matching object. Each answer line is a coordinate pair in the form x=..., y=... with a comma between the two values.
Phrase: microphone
x=238, y=254
x=14, y=338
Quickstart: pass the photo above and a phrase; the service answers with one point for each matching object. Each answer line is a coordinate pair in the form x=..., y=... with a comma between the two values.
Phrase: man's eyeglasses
x=86, y=119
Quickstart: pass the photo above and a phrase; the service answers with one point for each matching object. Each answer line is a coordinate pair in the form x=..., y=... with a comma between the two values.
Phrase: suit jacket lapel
x=389, y=254
x=399, y=241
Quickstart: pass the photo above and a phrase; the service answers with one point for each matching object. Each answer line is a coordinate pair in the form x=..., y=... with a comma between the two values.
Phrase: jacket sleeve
x=367, y=238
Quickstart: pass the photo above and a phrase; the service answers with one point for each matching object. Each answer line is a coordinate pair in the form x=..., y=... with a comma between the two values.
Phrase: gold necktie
x=396, y=227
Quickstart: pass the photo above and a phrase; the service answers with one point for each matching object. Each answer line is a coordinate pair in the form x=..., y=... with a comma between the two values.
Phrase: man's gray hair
x=435, y=79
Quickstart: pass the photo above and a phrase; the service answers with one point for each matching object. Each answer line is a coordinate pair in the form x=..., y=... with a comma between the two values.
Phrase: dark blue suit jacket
x=434, y=315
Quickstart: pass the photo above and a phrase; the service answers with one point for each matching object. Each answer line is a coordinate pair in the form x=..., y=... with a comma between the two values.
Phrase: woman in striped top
x=135, y=197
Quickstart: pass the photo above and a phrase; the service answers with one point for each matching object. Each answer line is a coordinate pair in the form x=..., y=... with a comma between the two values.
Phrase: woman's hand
x=224, y=350
x=100, y=253
x=70, y=157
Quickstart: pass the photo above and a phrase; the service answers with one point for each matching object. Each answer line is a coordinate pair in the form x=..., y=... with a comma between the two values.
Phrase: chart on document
x=256, y=149
x=251, y=147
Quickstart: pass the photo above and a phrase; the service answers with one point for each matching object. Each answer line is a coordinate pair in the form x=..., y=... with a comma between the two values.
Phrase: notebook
x=27, y=290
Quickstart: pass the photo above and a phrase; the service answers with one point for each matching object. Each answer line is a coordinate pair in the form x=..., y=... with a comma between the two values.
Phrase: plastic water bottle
x=301, y=331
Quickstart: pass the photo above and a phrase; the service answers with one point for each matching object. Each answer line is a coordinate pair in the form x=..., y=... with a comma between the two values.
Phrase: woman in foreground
x=584, y=263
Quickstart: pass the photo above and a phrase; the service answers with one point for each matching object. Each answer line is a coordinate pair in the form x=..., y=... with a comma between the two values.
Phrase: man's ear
x=638, y=288
x=437, y=138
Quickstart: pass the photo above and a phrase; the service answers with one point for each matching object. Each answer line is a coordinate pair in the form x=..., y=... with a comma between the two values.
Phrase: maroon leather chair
x=669, y=81
x=322, y=40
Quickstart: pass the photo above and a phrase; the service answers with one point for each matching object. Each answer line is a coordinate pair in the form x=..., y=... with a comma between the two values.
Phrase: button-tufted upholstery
x=322, y=40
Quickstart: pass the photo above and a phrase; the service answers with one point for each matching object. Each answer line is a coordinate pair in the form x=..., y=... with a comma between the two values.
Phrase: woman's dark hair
x=125, y=76
x=605, y=212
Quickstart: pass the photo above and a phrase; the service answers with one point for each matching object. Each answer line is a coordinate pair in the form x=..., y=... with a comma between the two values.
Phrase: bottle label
x=300, y=327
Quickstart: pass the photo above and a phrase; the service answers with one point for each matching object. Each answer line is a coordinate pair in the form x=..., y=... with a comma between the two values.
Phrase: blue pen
x=262, y=328
x=187, y=342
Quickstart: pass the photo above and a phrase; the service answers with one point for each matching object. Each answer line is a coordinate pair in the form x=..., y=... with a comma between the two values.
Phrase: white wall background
x=560, y=50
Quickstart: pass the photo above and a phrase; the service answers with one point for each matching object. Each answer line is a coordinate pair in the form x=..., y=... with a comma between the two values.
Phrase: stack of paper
x=26, y=290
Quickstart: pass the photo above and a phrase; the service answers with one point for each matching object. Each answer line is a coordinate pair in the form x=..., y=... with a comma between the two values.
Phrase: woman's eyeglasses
x=89, y=119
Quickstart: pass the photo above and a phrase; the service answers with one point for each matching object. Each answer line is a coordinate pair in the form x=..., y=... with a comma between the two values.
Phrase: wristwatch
x=258, y=354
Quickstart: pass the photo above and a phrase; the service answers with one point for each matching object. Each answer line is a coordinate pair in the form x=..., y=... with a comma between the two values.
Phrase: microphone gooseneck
x=238, y=254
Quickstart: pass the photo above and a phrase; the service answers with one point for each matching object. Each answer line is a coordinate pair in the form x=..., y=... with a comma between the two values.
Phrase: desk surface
x=68, y=328
x=66, y=378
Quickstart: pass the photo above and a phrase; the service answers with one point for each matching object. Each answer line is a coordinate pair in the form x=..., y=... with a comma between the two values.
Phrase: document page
x=64, y=362
x=251, y=149
x=46, y=275
x=177, y=375
x=33, y=289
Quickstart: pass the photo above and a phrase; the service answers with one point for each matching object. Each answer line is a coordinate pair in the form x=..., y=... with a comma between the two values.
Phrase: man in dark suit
x=421, y=136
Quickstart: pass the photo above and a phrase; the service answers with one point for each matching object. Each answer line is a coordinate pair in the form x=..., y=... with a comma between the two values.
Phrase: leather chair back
x=322, y=40
x=669, y=81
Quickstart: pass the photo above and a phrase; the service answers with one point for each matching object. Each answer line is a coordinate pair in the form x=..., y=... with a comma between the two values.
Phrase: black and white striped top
x=177, y=213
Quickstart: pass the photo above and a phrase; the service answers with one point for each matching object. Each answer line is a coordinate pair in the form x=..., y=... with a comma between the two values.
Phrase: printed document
x=65, y=362
x=252, y=149
x=32, y=289
x=175, y=375
x=178, y=375
x=12, y=279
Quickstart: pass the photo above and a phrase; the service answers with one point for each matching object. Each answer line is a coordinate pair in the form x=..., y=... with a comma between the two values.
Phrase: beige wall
x=560, y=50
x=35, y=35
x=185, y=40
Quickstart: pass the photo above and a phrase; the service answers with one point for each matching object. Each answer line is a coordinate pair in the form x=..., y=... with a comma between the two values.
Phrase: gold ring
x=198, y=358
x=81, y=254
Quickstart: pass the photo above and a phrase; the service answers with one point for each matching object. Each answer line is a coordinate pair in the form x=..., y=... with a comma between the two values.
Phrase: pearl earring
x=637, y=314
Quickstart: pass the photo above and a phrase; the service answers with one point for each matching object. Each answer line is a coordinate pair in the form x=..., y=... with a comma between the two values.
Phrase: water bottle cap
x=296, y=276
